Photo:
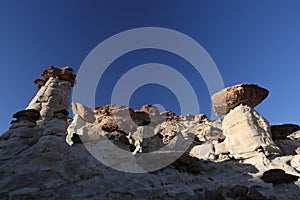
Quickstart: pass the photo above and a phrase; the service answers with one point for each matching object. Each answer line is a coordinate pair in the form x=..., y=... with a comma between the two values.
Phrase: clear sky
x=250, y=42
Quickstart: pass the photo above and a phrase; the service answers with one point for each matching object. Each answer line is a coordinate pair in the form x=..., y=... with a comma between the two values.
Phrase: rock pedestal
x=246, y=132
x=53, y=97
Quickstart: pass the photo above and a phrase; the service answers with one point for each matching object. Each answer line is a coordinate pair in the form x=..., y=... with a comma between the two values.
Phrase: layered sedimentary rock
x=245, y=132
x=39, y=161
x=228, y=98
x=53, y=98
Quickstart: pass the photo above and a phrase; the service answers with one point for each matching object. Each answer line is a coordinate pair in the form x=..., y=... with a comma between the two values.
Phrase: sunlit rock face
x=246, y=131
x=228, y=98
x=234, y=157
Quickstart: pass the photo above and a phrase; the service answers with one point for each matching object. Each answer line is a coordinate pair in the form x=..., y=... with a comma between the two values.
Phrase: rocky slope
x=115, y=152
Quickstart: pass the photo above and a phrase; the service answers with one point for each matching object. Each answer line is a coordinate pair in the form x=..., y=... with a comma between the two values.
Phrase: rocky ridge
x=239, y=156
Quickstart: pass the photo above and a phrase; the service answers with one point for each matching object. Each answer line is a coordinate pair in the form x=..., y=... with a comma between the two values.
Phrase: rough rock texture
x=246, y=132
x=228, y=98
x=277, y=176
x=66, y=74
x=281, y=131
x=53, y=98
x=36, y=162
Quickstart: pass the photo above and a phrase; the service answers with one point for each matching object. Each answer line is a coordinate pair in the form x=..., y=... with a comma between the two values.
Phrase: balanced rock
x=184, y=154
x=281, y=131
x=228, y=98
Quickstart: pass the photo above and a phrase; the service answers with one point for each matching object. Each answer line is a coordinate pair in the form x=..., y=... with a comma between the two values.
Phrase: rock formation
x=229, y=98
x=239, y=156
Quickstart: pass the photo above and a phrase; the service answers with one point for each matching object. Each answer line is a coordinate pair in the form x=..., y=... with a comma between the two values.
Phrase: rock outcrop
x=53, y=98
x=228, y=98
x=246, y=132
x=177, y=157
x=281, y=131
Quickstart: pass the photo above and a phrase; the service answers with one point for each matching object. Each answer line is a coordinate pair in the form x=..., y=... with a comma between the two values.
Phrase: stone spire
x=48, y=110
x=53, y=96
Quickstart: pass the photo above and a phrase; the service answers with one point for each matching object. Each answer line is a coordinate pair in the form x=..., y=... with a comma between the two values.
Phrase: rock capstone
x=228, y=98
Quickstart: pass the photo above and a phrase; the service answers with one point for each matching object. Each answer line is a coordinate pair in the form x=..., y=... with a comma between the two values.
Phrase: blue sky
x=250, y=42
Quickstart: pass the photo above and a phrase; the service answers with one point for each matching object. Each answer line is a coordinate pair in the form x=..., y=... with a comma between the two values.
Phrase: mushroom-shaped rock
x=65, y=73
x=280, y=131
x=229, y=98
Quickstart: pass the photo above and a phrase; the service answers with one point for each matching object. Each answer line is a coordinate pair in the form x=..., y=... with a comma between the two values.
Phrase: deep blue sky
x=250, y=42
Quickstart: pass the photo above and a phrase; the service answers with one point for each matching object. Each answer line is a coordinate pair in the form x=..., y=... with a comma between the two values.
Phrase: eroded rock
x=277, y=176
x=231, y=97
x=65, y=74
x=281, y=131
x=246, y=131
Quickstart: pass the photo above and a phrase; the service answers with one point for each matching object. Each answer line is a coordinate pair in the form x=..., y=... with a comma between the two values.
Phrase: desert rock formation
x=239, y=156
x=229, y=98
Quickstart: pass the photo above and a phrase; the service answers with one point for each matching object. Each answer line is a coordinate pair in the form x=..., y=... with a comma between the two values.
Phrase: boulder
x=28, y=114
x=277, y=176
x=228, y=98
x=281, y=131
x=287, y=146
x=246, y=131
x=83, y=111
x=150, y=109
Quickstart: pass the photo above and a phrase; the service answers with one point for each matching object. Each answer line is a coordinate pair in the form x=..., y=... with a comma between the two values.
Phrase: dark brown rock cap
x=231, y=97
x=281, y=131
x=65, y=73
x=29, y=114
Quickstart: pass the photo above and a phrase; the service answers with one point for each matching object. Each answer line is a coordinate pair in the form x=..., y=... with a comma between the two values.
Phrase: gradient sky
x=250, y=42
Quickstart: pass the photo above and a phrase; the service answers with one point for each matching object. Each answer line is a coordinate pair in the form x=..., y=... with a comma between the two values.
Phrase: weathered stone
x=298, y=150
x=83, y=111
x=229, y=98
x=201, y=118
x=238, y=191
x=277, y=176
x=209, y=131
x=150, y=109
x=35, y=160
x=281, y=131
x=187, y=163
x=204, y=151
x=28, y=113
x=254, y=194
x=40, y=83
x=169, y=116
x=65, y=74
x=246, y=131
x=295, y=162
x=287, y=146
x=51, y=98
